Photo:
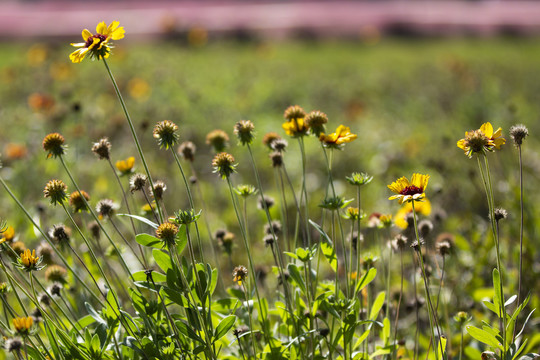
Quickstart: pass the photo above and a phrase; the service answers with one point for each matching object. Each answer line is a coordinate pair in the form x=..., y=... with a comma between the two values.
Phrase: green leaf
x=224, y=326
x=188, y=331
x=156, y=276
x=497, y=300
x=149, y=241
x=366, y=279
x=385, y=331
x=330, y=254
x=441, y=349
x=484, y=337
x=377, y=305
x=491, y=306
x=163, y=260
x=296, y=276
x=141, y=219
x=85, y=321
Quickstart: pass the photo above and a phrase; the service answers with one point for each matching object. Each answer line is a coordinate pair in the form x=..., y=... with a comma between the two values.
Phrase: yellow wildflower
x=295, y=128
x=22, y=325
x=97, y=45
x=8, y=235
x=125, y=166
x=409, y=191
x=481, y=140
x=342, y=135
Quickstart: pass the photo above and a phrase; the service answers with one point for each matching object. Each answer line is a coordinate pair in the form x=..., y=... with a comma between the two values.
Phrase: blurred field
x=409, y=102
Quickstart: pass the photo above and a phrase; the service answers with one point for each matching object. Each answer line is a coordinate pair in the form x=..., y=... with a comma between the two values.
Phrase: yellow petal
x=497, y=133
x=86, y=34
x=398, y=185
x=79, y=45
x=498, y=142
x=118, y=33
x=101, y=28
x=461, y=144
x=487, y=129
x=111, y=27
x=420, y=181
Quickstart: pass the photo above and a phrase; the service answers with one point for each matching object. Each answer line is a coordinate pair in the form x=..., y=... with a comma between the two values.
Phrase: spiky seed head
x=417, y=244
x=218, y=139
x=137, y=182
x=425, y=227
x=240, y=274
x=102, y=149
x=269, y=138
x=443, y=247
x=106, y=208
x=316, y=121
x=95, y=230
x=55, y=191
x=44, y=299
x=273, y=228
x=56, y=289
x=59, y=233
x=165, y=133
x=294, y=112
x=277, y=158
x=279, y=145
x=359, y=179
x=56, y=273
x=159, y=189
x=167, y=232
x=265, y=202
x=500, y=214
x=53, y=144
x=244, y=131
x=268, y=240
x=399, y=242
x=223, y=164
x=45, y=251
x=187, y=150
x=220, y=234
x=518, y=133
x=79, y=200
x=14, y=345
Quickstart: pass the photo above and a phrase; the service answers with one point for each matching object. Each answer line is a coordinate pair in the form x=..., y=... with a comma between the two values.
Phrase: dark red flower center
x=90, y=40
x=411, y=190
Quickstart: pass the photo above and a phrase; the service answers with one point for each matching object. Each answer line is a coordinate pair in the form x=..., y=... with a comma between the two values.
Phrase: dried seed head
x=443, y=247
x=137, y=182
x=265, y=202
x=268, y=240
x=13, y=345
x=399, y=242
x=56, y=273
x=106, y=208
x=95, y=230
x=187, y=150
x=218, y=139
x=165, y=133
x=56, y=289
x=324, y=332
x=417, y=244
x=223, y=164
x=167, y=232
x=102, y=149
x=273, y=228
x=226, y=242
x=55, y=190
x=59, y=233
x=316, y=121
x=159, y=189
x=37, y=316
x=53, y=144
x=269, y=138
x=240, y=274
x=44, y=299
x=353, y=237
x=244, y=131
x=18, y=247
x=279, y=145
x=294, y=112
x=79, y=200
x=500, y=214
x=192, y=179
x=518, y=133
x=277, y=159
x=45, y=251
x=219, y=234
x=425, y=227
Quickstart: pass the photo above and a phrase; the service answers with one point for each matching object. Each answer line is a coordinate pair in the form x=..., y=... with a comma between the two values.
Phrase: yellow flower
x=125, y=166
x=423, y=208
x=481, y=140
x=22, y=325
x=409, y=191
x=29, y=259
x=97, y=45
x=296, y=127
x=342, y=135
x=8, y=235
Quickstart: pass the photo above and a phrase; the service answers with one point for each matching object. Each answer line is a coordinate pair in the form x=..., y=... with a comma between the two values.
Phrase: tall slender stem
x=521, y=214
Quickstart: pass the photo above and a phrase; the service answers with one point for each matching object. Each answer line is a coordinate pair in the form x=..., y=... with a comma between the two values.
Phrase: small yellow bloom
x=409, y=191
x=29, y=259
x=342, y=135
x=22, y=325
x=97, y=45
x=125, y=166
x=8, y=235
x=481, y=140
x=295, y=127
x=423, y=208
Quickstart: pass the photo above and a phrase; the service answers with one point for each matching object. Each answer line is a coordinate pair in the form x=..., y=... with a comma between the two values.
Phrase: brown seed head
x=223, y=164
x=165, y=133
x=53, y=144
x=244, y=131
x=218, y=139
x=294, y=112
x=79, y=200
x=316, y=121
x=518, y=133
x=55, y=190
x=187, y=150
x=102, y=149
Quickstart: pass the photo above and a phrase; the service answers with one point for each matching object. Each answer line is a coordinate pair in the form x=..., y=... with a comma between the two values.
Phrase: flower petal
x=118, y=33
x=101, y=28
x=86, y=34
x=487, y=129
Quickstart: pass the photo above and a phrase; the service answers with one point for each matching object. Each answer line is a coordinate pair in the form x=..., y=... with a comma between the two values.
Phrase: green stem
x=521, y=213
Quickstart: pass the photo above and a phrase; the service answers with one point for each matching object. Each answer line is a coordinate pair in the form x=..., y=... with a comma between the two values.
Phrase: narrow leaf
x=224, y=326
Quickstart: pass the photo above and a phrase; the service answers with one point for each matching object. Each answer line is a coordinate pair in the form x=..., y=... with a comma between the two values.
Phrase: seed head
x=44, y=299
x=316, y=121
x=226, y=242
x=265, y=202
x=167, y=232
x=245, y=190
x=277, y=159
x=56, y=289
x=443, y=247
x=18, y=247
x=159, y=189
x=218, y=139
x=14, y=345
x=268, y=240
x=294, y=112
x=102, y=149
x=425, y=227
x=518, y=133
x=37, y=316
x=269, y=138
x=165, y=133
x=359, y=179
x=106, y=208
x=53, y=144
x=324, y=332
x=79, y=200
x=137, y=182
x=187, y=150
x=279, y=145
x=500, y=214
x=95, y=230
x=45, y=251
x=417, y=244
x=223, y=164
x=273, y=228
x=55, y=190
x=240, y=274
x=244, y=131
x=219, y=234
x=399, y=242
